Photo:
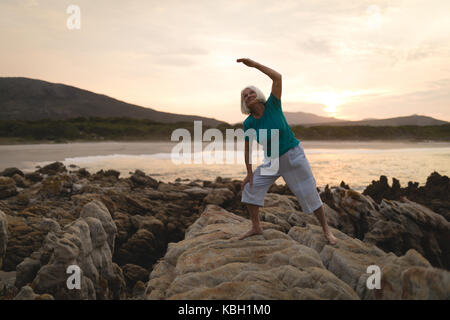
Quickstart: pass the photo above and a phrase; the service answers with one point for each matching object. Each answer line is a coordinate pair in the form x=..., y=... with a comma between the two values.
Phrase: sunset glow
x=175, y=56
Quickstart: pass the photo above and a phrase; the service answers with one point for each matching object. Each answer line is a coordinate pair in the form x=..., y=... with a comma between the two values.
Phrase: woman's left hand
x=247, y=62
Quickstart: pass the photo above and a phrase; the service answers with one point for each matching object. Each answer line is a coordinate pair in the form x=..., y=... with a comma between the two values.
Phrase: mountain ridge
x=33, y=99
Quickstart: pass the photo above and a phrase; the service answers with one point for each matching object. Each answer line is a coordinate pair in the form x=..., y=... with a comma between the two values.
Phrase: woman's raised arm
x=275, y=76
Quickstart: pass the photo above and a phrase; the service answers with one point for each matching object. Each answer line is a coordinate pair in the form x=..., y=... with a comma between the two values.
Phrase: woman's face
x=249, y=96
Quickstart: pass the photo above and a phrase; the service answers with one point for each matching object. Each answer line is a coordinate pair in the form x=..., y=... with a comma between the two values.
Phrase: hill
x=30, y=99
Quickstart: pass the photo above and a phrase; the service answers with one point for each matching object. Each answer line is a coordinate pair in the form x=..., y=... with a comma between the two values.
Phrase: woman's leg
x=254, y=217
x=253, y=196
x=320, y=214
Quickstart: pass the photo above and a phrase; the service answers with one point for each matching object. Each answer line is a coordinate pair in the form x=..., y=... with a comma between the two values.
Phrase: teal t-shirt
x=272, y=118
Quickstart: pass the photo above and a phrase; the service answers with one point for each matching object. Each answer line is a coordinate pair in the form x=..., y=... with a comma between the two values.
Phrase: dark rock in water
x=139, y=179
x=435, y=193
x=378, y=189
x=108, y=173
x=343, y=185
x=207, y=184
x=9, y=172
x=53, y=168
x=83, y=173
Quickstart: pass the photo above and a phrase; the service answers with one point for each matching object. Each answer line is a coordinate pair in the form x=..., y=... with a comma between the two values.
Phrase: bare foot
x=251, y=233
x=331, y=239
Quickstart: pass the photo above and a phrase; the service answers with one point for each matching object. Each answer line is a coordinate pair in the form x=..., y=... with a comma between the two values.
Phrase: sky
x=351, y=60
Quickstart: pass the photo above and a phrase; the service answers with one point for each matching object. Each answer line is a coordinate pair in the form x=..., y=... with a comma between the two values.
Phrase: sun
x=331, y=100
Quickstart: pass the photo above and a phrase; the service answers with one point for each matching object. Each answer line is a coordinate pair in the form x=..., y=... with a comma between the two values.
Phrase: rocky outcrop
x=394, y=226
x=87, y=243
x=48, y=217
x=434, y=194
x=407, y=277
x=211, y=263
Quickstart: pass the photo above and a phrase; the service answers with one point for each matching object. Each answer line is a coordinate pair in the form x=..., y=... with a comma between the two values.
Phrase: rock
x=10, y=172
x=140, y=179
x=211, y=263
x=7, y=288
x=350, y=258
x=139, y=290
x=34, y=176
x=433, y=195
x=53, y=168
x=26, y=293
x=3, y=236
x=20, y=181
x=197, y=193
x=47, y=225
x=7, y=187
x=83, y=173
x=146, y=245
x=407, y=225
x=86, y=243
x=26, y=271
x=394, y=226
x=107, y=173
x=23, y=199
x=24, y=237
x=56, y=185
x=98, y=210
x=134, y=273
x=219, y=196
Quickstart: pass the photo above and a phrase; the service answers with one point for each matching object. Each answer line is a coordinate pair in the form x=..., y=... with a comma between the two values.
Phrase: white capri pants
x=296, y=172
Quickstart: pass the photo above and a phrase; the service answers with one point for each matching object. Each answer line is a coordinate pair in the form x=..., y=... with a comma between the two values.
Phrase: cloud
x=317, y=46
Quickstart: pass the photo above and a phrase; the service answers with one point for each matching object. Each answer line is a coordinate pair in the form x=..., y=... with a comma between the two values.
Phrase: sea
x=357, y=163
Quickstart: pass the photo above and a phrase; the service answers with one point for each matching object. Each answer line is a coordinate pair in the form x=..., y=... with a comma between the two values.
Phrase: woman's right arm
x=247, y=157
x=249, y=177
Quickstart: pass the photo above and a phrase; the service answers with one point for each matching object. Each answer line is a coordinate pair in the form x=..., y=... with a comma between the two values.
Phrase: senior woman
x=292, y=163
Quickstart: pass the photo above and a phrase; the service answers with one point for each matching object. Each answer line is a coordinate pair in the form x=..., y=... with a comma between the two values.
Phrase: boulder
x=53, y=168
x=86, y=243
x=350, y=259
x=219, y=196
x=211, y=263
x=7, y=187
x=10, y=172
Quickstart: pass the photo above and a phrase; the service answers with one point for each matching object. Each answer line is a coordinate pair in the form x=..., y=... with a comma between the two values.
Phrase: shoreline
x=22, y=155
x=13, y=142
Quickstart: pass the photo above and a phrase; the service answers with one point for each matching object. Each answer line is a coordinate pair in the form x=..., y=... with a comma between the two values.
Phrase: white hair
x=259, y=96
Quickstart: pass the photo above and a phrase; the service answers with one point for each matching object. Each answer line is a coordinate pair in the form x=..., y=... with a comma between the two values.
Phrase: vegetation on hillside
x=124, y=129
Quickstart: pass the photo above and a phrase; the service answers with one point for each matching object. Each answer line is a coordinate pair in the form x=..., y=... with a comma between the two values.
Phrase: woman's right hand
x=248, y=178
x=248, y=62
